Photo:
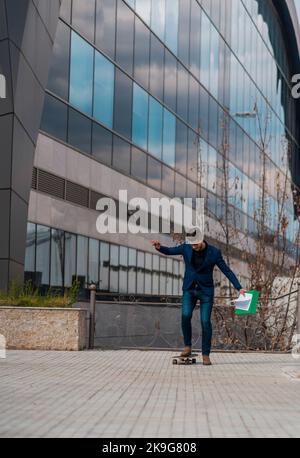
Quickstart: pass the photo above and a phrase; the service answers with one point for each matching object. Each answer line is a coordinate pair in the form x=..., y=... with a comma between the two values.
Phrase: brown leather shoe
x=206, y=361
x=187, y=351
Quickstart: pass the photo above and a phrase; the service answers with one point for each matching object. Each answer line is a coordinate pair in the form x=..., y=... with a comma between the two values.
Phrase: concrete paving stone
x=130, y=393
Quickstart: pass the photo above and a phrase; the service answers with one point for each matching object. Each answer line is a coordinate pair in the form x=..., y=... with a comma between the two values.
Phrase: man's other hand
x=156, y=244
x=242, y=291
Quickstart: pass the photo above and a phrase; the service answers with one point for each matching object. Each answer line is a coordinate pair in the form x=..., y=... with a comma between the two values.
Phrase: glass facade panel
x=82, y=260
x=138, y=164
x=141, y=53
x=169, y=138
x=156, y=68
x=172, y=18
x=123, y=104
x=106, y=26
x=155, y=128
x=43, y=237
x=140, y=109
x=93, y=270
x=114, y=268
x=121, y=155
x=132, y=271
x=83, y=17
x=57, y=257
x=125, y=34
x=158, y=13
x=81, y=74
x=102, y=144
x=104, y=267
x=104, y=90
x=30, y=250
x=70, y=259
x=58, y=80
x=170, y=81
x=79, y=131
x=55, y=118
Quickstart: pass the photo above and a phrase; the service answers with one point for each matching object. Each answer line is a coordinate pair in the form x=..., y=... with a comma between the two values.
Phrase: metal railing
x=163, y=301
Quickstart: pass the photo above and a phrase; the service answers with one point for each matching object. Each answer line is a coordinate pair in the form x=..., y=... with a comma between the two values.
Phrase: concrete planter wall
x=43, y=328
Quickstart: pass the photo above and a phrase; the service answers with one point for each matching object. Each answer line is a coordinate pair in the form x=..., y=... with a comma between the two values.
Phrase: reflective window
x=57, y=257
x=70, y=259
x=123, y=101
x=168, y=181
x=82, y=260
x=140, y=272
x=183, y=92
x=203, y=113
x=123, y=287
x=172, y=15
x=138, y=164
x=43, y=236
x=155, y=274
x=170, y=80
x=102, y=144
x=205, y=50
x=132, y=271
x=65, y=10
x=83, y=17
x=169, y=138
x=143, y=8
x=156, y=68
x=214, y=62
x=180, y=186
x=104, y=267
x=79, y=131
x=169, y=283
x=121, y=155
x=141, y=53
x=106, y=26
x=195, y=38
x=148, y=271
x=81, y=74
x=184, y=31
x=125, y=33
x=194, y=104
x=93, y=270
x=58, y=81
x=154, y=173
x=158, y=18
x=114, y=268
x=163, y=275
x=155, y=128
x=140, y=116
x=181, y=146
x=30, y=249
x=54, y=119
x=193, y=147
x=104, y=90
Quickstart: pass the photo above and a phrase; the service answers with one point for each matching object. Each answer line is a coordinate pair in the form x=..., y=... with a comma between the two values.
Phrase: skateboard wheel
x=174, y=361
x=194, y=360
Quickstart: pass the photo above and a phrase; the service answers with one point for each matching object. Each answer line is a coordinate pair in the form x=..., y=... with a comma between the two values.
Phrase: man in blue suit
x=200, y=259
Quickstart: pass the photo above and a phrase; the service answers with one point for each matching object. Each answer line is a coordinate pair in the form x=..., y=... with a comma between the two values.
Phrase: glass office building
x=140, y=95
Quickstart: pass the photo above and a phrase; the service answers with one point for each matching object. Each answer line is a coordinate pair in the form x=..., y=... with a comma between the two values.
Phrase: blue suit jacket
x=204, y=277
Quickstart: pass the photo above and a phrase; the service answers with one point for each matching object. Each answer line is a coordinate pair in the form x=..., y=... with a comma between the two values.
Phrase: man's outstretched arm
x=228, y=273
x=169, y=251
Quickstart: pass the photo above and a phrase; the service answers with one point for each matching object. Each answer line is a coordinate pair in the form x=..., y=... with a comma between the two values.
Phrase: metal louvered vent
x=77, y=194
x=34, y=178
x=95, y=196
x=51, y=184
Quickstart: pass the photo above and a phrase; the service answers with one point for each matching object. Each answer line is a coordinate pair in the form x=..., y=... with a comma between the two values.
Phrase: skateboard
x=184, y=359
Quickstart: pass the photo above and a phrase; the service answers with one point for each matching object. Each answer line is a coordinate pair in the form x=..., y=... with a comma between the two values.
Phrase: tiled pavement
x=135, y=393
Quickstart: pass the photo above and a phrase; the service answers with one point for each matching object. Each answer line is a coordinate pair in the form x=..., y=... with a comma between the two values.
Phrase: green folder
x=253, y=304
